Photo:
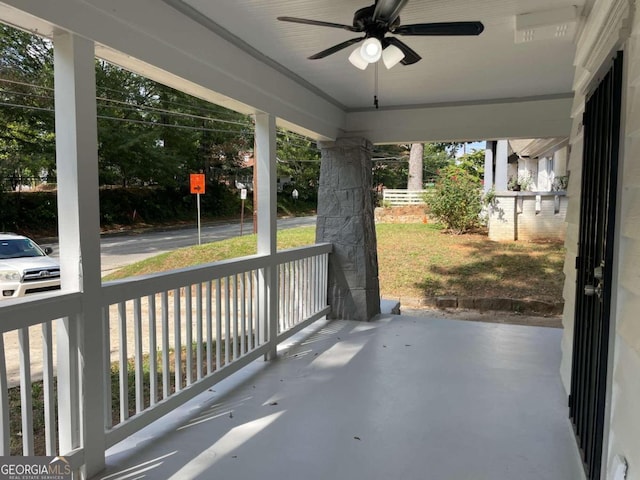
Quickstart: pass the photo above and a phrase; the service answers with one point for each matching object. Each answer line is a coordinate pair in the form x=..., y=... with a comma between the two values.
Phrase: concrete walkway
x=398, y=398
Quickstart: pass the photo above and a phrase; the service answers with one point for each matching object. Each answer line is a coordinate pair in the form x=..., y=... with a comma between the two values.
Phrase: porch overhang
x=188, y=51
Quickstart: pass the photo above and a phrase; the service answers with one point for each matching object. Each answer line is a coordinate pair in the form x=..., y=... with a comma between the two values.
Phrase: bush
x=457, y=199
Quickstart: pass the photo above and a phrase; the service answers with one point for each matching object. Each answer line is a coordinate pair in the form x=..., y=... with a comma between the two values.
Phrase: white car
x=25, y=268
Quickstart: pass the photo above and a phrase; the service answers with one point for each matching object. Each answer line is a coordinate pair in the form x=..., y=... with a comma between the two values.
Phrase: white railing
x=398, y=197
x=29, y=357
x=166, y=338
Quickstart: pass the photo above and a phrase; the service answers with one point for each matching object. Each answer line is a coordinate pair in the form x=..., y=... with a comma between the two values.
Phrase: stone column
x=345, y=219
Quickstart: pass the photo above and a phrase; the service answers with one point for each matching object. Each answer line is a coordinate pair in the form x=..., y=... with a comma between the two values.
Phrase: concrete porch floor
x=399, y=398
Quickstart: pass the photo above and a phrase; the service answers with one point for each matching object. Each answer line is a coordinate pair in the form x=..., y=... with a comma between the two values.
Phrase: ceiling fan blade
x=335, y=48
x=319, y=23
x=410, y=56
x=388, y=10
x=442, y=28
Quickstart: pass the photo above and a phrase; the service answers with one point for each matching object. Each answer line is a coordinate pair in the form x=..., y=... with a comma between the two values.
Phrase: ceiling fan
x=376, y=21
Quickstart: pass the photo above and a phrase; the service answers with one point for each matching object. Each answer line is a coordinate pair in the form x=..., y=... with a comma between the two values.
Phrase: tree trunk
x=415, y=167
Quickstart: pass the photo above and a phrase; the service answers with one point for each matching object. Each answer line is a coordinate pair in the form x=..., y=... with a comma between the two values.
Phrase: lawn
x=428, y=263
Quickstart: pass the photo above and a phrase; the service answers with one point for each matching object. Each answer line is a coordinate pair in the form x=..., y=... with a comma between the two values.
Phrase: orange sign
x=197, y=183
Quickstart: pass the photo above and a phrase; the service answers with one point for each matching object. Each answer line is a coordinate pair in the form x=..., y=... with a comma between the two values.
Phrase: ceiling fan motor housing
x=364, y=22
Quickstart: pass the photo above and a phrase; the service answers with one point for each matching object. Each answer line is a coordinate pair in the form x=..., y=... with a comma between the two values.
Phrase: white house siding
x=603, y=34
x=625, y=415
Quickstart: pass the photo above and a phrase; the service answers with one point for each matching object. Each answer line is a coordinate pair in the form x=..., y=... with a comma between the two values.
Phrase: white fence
x=399, y=197
x=166, y=338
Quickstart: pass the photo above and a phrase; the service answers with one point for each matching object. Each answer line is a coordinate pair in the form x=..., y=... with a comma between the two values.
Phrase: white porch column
x=502, y=162
x=560, y=162
x=267, y=217
x=79, y=339
x=488, y=165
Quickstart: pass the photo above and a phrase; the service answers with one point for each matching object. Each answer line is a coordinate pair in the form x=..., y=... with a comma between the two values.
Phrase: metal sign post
x=243, y=197
x=197, y=184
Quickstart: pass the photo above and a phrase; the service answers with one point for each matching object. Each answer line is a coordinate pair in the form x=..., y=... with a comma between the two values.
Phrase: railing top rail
x=303, y=252
x=402, y=191
x=559, y=193
x=24, y=312
x=121, y=290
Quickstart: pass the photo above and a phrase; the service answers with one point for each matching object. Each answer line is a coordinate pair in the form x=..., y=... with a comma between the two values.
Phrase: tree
x=473, y=163
x=27, y=147
x=299, y=158
x=435, y=158
x=416, y=163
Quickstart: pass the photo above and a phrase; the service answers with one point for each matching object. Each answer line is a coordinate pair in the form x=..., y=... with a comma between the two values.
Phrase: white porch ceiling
x=453, y=69
x=237, y=54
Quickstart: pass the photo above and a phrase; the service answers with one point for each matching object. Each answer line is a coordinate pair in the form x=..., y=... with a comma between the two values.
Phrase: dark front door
x=594, y=267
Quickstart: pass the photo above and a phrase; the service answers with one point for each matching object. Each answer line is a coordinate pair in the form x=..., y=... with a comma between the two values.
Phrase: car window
x=19, y=248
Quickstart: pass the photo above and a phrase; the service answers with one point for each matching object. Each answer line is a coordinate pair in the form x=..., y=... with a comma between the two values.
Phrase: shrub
x=457, y=199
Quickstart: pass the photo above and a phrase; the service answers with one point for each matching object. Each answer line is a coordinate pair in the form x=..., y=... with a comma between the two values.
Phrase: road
x=123, y=249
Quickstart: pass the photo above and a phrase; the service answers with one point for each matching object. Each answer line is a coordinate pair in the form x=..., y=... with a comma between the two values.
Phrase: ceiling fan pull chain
x=375, y=87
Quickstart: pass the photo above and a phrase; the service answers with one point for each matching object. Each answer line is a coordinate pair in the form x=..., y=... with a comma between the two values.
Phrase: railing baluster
x=261, y=316
x=106, y=378
x=124, y=367
x=48, y=391
x=209, y=328
x=243, y=312
x=189, y=332
x=283, y=303
x=234, y=300
x=325, y=278
x=25, y=392
x=227, y=322
x=250, y=311
x=218, y=324
x=199, y=338
x=285, y=298
x=166, y=382
x=177, y=340
x=139, y=372
x=308, y=287
x=153, y=353
x=4, y=403
x=317, y=283
x=295, y=305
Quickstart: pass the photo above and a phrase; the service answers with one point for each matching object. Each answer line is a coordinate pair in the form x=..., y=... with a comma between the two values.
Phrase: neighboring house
x=527, y=179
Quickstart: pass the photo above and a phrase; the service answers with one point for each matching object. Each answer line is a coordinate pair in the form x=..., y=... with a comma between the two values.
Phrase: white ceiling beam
x=512, y=118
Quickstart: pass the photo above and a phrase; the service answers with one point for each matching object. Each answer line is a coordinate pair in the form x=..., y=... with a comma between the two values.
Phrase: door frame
x=615, y=272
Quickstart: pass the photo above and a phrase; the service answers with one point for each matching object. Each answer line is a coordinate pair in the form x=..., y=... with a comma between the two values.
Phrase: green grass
x=433, y=263
x=212, y=252
x=428, y=263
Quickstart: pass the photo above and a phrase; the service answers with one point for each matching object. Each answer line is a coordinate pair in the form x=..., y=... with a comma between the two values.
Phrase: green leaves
x=457, y=201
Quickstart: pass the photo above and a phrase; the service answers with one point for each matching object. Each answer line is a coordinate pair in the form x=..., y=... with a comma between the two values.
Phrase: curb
x=529, y=307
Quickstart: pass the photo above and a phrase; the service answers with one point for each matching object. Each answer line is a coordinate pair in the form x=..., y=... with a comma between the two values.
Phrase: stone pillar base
x=346, y=219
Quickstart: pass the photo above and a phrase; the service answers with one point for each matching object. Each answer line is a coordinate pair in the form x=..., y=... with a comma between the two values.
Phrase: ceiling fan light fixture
x=371, y=50
x=391, y=56
x=357, y=61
